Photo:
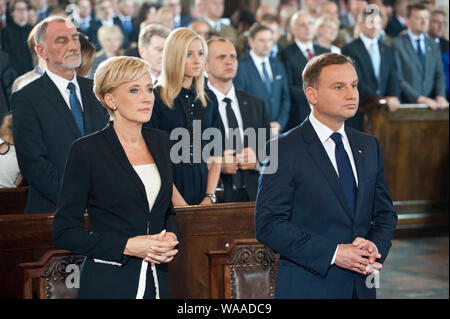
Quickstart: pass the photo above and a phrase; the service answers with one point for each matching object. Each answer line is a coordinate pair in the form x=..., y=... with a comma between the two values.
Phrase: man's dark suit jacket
x=394, y=27
x=93, y=30
x=254, y=115
x=414, y=80
x=443, y=44
x=302, y=213
x=278, y=102
x=7, y=77
x=388, y=83
x=43, y=130
x=99, y=177
x=294, y=62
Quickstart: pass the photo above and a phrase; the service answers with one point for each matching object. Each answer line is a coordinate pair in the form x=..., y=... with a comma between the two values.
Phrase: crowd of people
x=99, y=99
x=399, y=49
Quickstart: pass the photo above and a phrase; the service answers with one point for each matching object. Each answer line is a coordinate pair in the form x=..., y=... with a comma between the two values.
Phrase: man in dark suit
x=326, y=210
x=7, y=77
x=437, y=28
x=419, y=62
x=242, y=113
x=86, y=16
x=294, y=58
x=397, y=22
x=180, y=20
x=265, y=77
x=105, y=16
x=375, y=65
x=51, y=112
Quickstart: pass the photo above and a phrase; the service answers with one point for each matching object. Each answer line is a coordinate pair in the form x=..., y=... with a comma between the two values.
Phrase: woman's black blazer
x=98, y=177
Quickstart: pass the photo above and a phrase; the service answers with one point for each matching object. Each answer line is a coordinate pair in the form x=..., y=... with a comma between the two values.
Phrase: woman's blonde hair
x=116, y=71
x=324, y=20
x=174, y=60
x=109, y=31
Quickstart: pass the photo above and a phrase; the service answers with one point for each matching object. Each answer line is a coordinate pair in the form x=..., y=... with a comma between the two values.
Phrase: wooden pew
x=414, y=140
x=25, y=238
x=13, y=200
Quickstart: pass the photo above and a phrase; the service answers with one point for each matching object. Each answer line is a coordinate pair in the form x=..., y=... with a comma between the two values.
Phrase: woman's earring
x=114, y=108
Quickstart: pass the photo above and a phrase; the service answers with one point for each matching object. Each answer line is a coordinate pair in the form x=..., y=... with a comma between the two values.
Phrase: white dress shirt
x=62, y=84
x=258, y=62
x=304, y=46
x=324, y=134
x=223, y=108
x=414, y=39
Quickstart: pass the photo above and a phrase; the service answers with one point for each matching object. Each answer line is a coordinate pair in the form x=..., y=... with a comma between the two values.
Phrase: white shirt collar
x=302, y=46
x=60, y=82
x=212, y=23
x=258, y=60
x=414, y=37
x=323, y=131
x=220, y=96
x=368, y=41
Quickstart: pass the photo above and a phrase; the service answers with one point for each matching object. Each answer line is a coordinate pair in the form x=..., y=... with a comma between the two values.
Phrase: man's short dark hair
x=313, y=68
x=13, y=4
x=415, y=6
x=270, y=18
x=255, y=29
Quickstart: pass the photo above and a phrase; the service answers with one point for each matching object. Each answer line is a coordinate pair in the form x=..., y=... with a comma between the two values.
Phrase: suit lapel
x=86, y=93
x=321, y=158
x=157, y=155
x=52, y=93
x=412, y=51
x=366, y=56
x=243, y=107
x=358, y=153
x=120, y=155
x=256, y=72
x=428, y=55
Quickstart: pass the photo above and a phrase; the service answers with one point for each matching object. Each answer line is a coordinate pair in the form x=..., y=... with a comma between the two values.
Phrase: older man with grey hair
x=151, y=45
x=51, y=112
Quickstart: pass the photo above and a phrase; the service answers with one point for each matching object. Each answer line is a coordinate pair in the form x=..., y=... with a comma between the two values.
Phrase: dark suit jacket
x=388, y=82
x=98, y=177
x=301, y=212
x=294, y=62
x=443, y=44
x=249, y=80
x=184, y=21
x=415, y=81
x=254, y=115
x=7, y=77
x=43, y=130
x=394, y=27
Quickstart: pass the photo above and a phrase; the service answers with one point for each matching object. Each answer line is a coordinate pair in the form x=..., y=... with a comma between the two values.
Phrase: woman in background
x=9, y=169
x=326, y=29
x=123, y=176
x=111, y=40
x=182, y=101
x=87, y=55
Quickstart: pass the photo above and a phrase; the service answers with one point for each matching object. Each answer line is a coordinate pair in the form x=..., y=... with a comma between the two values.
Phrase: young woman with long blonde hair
x=183, y=101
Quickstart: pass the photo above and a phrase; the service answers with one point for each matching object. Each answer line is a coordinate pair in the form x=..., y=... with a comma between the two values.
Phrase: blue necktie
x=420, y=54
x=75, y=107
x=345, y=171
x=376, y=59
x=267, y=81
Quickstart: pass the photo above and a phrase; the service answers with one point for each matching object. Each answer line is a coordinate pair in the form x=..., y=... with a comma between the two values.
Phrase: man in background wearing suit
x=436, y=30
x=51, y=112
x=397, y=22
x=294, y=58
x=419, y=62
x=262, y=76
x=7, y=77
x=104, y=13
x=180, y=20
x=240, y=111
x=213, y=15
x=375, y=65
x=327, y=210
x=151, y=45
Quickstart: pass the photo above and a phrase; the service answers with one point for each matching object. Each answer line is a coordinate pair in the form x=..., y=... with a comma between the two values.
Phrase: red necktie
x=310, y=54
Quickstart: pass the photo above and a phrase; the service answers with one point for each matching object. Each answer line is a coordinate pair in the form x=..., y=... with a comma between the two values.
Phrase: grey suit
x=415, y=81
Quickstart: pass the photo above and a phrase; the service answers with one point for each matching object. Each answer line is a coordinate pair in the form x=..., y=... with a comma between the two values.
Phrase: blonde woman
x=326, y=29
x=123, y=176
x=111, y=40
x=182, y=101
